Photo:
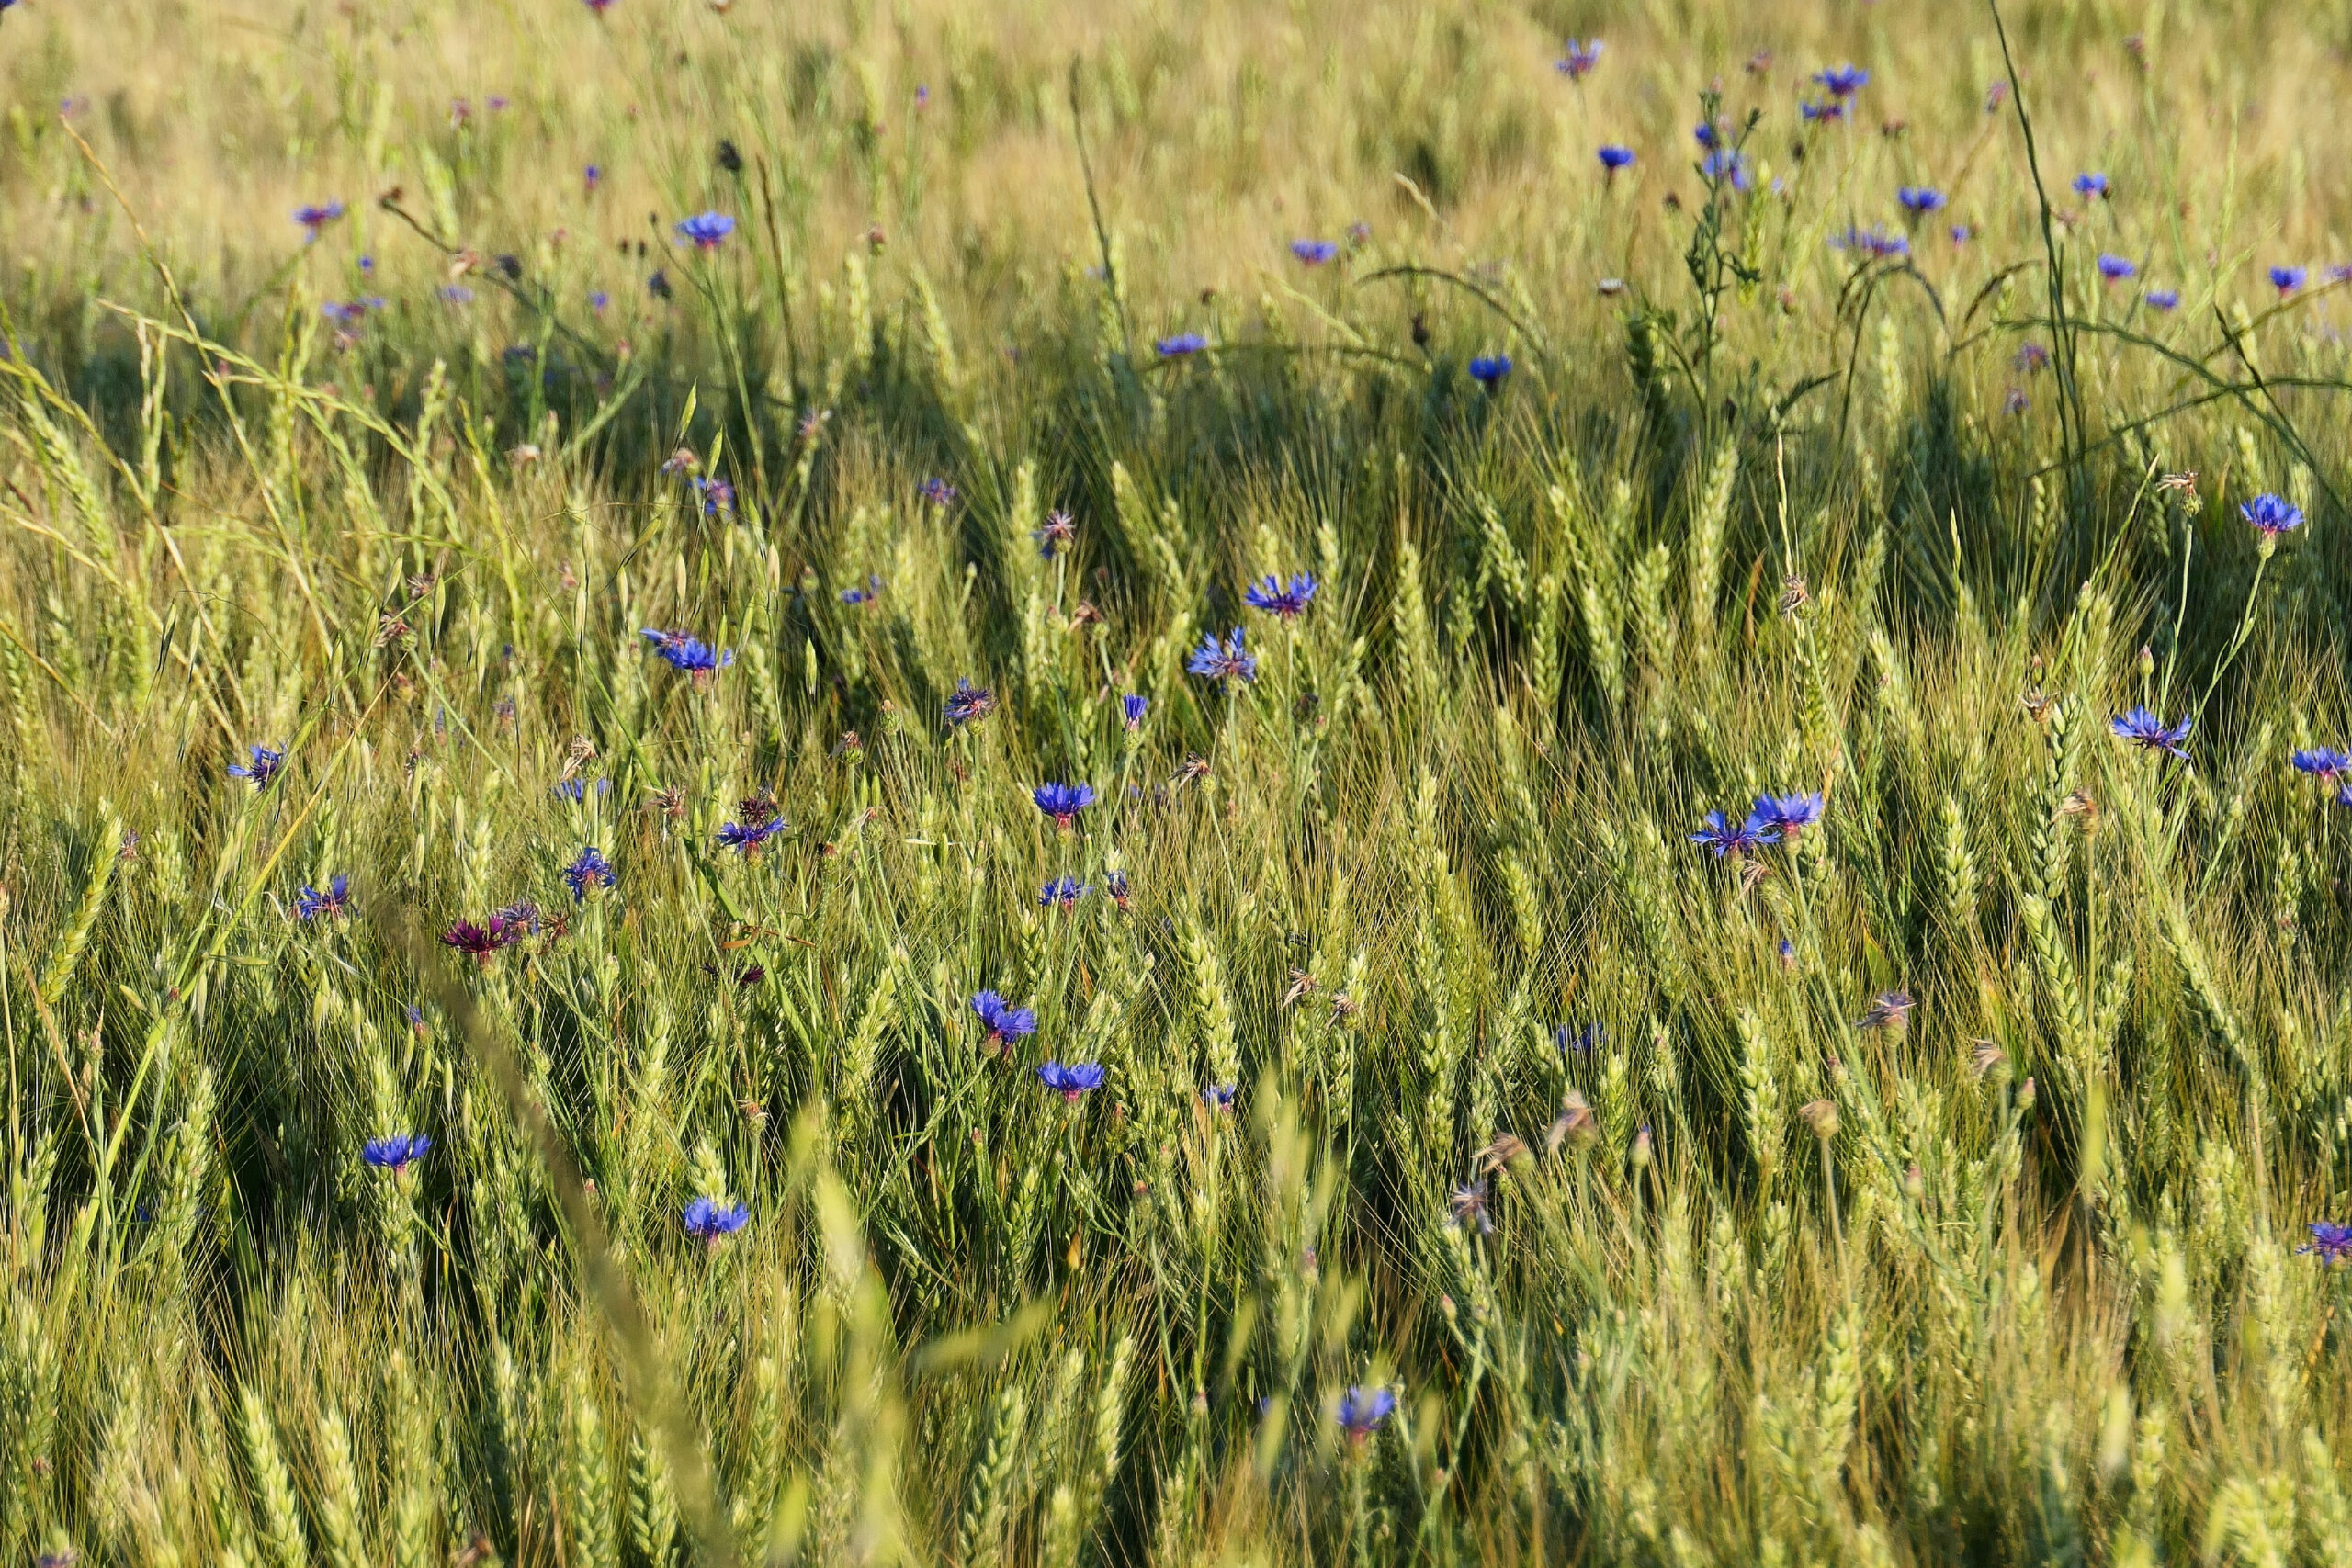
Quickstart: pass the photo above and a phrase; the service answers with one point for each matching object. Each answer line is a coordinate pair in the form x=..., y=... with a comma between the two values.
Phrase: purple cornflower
x=1217, y=1095
x=1489, y=369
x=866, y=596
x=2271, y=513
x=2162, y=298
x=1132, y=708
x=2031, y=357
x=1576, y=63
x=396, y=1153
x=1919, y=200
x=1875, y=241
x=264, y=768
x=1842, y=81
x=2016, y=403
x=745, y=838
x=1006, y=1023
x=713, y=1221
x=2287, y=279
x=310, y=903
x=1072, y=1082
x=683, y=652
x=2088, y=185
x=2330, y=1244
x=1314, y=253
x=1276, y=597
x=591, y=870
x=708, y=230
x=2326, y=764
x=1722, y=836
x=1223, y=662
x=1180, y=345
x=1615, y=157
x=1062, y=891
x=469, y=938
x=1363, y=1412
x=1891, y=1011
x=315, y=218
x=1115, y=883
x=1792, y=814
x=937, y=492
x=967, y=702
x=1467, y=1206
x=1063, y=802
x=2150, y=733
x=717, y=496
x=1060, y=528
x=2113, y=268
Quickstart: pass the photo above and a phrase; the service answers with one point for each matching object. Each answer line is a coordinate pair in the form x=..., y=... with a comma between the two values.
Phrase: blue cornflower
x=866, y=596
x=345, y=313
x=592, y=176
x=264, y=768
x=967, y=702
x=416, y=1017
x=1218, y=1096
x=1815, y=113
x=591, y=870
x=1276, y=597
x=683, y=651
x=1115, y=883
x=1919, y=199
x=2150, y=733
x=708, y=230
x=2162, y=298
x=2326, y=764
x=717, y=496
x=2091, y=185
x=1180, y=345
x=2113, y=268
x=513, y=923
x=1726, y=167
x=1842, y=81
x=746, y=838
x=714, y=1220
x=1722, y=836
x=454, y=294
x=1791, y=813
x=1071, y=1082
x=310, y=904
x=1062, y=891
x=576, y=790
x=1362, y=1411
x=398, y=1152
x=2016, y=403
x=1578, y=62
x=1223, y=662
x=1489, y=369
x=2330, y=1244
x=1006, y=1023
x=1314, y=253
x=1615, y=157
x=1063, y=802
x=937, y=492
x=1708, y=134
x=1133, y=707
x=2271, y=513
x=1583, y=1039
x=599, y=302
x=2287, y=279
x=1875, y=241
x=314, y=216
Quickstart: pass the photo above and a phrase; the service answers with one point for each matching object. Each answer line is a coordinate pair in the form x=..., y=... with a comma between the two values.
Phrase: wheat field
x=1283, y=784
